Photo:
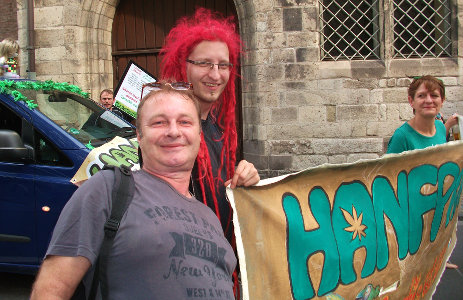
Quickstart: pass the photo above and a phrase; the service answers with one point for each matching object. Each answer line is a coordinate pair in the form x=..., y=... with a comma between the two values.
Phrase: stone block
x=360, y=83
x=297, y=39
x=418, y=67
x=261, y=162
x=357, y=96
x=292, y=19
x=275, y=21
x=286, y=55
x=45, y=38
x=405, y=82
x=334, y=69
x=291, y=3
x=391, y=82
x=279, y=147
x=74, y=34
x=358, y=128
x=50, y=54
x=261, y=5
x=301, y=98
x=331, y=113
x=45, y=3
x=255, y=132
x=71, y=15
x=290, y=86
x=307, y=54
x=449, y=81
x=342, y=146
x=368, y=69
x=312, y=114
x=254, y=146
x=286, y=115
x=376, y=96
x=300, y=72
x=382, y=83
x=454, y=93
x=48, y=17
x=302, y=162
x=268, y=40
x=382, y=112
x=270, y=72
x=280, y=162
x=251, y=115
x=405, y=111
x=310, y=18
x=395, y=95
x=357, y=112
x=361, y=156
x=48, y=68
x=337, y=159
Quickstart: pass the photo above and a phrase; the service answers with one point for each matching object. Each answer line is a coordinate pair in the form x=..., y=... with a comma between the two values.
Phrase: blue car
x=47, y=130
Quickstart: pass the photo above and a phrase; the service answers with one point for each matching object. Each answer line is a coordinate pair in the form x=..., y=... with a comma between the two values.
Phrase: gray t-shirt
x=168, y=246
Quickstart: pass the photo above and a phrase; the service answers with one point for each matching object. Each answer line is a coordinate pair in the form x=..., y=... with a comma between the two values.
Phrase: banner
x=374, y=229
x=119, y=151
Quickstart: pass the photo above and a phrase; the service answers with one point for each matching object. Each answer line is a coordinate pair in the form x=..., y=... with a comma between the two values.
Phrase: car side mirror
x=12, y=148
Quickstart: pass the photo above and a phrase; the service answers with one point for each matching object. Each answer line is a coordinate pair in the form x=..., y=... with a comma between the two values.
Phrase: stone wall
x=72, y=41
x=301, y=112
x=8, y=20
x=298, y=111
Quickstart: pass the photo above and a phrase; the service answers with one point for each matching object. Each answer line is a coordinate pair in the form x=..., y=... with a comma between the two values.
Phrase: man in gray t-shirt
x=169, y=245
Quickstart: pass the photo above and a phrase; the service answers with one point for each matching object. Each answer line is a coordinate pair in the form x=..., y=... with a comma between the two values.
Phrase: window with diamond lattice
x=422, y=28
x=349, y=30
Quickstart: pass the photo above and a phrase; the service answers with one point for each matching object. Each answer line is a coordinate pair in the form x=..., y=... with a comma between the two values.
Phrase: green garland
x=12, y=88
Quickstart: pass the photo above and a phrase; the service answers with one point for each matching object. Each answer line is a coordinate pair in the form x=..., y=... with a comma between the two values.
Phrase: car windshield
x=84, y=119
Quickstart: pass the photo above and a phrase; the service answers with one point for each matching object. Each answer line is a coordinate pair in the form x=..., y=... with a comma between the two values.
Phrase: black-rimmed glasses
x=156, y=86
x=206, y=64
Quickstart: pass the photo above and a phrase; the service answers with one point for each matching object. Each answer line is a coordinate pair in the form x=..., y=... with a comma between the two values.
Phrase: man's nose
x=214, y=72
x=173, y=130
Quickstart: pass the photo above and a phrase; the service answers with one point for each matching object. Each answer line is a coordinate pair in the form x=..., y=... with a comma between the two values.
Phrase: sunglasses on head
x=156, y=86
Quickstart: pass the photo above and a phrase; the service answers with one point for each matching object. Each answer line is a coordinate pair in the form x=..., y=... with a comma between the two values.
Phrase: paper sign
x=128, y=92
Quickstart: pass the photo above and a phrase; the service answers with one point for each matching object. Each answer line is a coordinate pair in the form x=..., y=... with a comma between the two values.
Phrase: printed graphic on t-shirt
x=196, y=257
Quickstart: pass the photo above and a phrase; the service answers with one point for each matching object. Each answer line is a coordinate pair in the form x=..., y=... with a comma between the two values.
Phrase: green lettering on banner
x=358, y=220
x=447, y=169
x=419, y=203
x=395, y=207
x=299, y=255
x=348, y=197
x=124, y=155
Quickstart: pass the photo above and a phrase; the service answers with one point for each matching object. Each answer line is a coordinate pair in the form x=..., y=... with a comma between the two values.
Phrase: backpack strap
x=122, y=195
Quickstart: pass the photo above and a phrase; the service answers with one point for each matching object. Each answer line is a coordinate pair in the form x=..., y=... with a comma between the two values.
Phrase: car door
x=17, y=203
x=33, y=193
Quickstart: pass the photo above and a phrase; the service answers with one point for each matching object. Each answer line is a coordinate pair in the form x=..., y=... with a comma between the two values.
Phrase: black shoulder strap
x=122, y=195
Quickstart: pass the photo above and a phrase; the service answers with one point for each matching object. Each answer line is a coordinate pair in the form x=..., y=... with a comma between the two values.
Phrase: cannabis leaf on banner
x=357, y=228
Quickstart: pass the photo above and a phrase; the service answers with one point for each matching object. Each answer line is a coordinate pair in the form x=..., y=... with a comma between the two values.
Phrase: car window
x=9, y=120
x=82, y=118
x=48, y=154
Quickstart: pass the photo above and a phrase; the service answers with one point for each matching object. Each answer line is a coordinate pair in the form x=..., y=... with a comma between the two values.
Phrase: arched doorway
x=139, y=29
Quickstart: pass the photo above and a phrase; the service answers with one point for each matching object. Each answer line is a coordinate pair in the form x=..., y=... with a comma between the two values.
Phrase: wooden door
x=139, y=29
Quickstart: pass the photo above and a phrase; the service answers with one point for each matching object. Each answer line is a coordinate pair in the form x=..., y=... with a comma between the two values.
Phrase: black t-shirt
x=212, y=135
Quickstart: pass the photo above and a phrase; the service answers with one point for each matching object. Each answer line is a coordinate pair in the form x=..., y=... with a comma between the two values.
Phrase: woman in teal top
x=426, y=96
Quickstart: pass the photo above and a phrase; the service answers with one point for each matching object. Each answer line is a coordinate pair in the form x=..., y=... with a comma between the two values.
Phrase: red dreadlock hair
x=205, y=25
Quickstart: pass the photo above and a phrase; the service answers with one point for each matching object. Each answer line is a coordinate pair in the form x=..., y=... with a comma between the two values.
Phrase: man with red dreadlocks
x=204, y=49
